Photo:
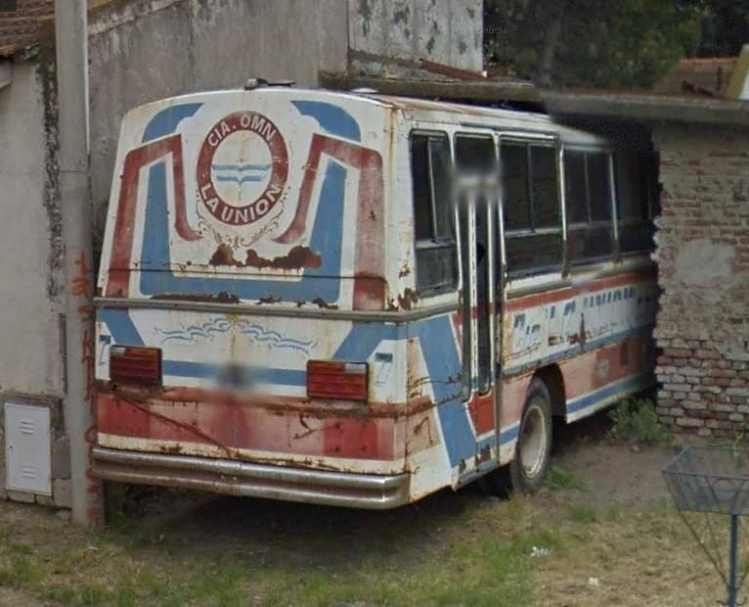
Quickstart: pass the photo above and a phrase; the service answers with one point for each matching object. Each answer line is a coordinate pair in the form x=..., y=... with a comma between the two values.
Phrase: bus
x=358, y=300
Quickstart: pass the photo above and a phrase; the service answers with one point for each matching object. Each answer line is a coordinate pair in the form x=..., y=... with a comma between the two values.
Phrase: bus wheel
x=527, y=471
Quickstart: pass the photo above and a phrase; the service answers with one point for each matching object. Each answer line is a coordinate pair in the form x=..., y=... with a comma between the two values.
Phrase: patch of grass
x=562, y=479
x=582, y=514
x=634, y=419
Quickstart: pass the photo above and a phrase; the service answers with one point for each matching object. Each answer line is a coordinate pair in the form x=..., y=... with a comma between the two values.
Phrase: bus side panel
x=464, y=429
x=598, y=333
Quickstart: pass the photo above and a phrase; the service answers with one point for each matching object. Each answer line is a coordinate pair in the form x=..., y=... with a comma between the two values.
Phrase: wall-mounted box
x=28, y=454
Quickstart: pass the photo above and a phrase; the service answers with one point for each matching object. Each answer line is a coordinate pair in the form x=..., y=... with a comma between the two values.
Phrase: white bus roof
x=421, y=110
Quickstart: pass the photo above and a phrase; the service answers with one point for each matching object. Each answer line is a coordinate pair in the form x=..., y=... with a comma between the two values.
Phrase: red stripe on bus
x=538, y=299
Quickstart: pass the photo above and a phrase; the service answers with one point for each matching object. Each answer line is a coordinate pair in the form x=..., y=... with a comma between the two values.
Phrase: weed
x=634, y=419
x=562, y=479
x=582, y=514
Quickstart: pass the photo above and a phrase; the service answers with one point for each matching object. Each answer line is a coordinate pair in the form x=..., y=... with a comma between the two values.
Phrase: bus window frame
x=649, y=189
x=612, y=224
x=423, y=244
x=554, y=141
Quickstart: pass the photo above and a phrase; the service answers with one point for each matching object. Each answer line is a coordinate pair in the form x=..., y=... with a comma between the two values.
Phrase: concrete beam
x=487, y=91
x=642, y=107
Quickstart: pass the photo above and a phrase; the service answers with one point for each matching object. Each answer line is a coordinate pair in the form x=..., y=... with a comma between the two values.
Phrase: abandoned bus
x=358, y=300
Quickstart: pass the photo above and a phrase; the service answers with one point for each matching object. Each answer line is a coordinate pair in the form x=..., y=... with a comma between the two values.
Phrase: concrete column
x=71, y=30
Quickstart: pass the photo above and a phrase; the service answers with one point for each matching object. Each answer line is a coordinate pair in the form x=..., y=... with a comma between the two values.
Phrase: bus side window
x=633, y=213
x=436, y=256
x=530, y=205
x=588, y=205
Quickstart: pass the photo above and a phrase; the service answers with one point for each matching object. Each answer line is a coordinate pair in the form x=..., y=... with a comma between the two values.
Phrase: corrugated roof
x=708, y=77
x=19, y=29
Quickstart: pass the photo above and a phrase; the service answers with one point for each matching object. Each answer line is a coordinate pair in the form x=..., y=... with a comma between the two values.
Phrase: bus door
x=477, y=198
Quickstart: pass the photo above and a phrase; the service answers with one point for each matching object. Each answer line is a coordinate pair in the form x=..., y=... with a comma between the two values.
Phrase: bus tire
x=527, y=471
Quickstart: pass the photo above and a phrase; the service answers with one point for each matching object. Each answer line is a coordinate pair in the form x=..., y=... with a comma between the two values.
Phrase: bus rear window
x=436, y=256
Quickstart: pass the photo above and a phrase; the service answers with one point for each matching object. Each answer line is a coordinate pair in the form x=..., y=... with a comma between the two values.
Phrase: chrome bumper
x=230, y=477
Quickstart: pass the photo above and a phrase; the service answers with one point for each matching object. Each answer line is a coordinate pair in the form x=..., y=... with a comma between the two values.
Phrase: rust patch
x=222, y=297
x=408, y=299
x=299, y=257
x=269, y=300
x=404, y=271
x=224, y=256
x=324, y=305
x=484, y=455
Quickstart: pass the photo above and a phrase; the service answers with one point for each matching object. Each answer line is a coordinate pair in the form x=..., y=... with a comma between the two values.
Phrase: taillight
x=337, y=380
x=129, y=365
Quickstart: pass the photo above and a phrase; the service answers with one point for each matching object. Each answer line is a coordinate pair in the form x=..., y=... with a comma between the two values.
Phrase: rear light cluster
x=337, y=380
x=128, y=365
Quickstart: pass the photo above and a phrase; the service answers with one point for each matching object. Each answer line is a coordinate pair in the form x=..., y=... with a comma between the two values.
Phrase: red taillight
x=337, y=380
x=129, y=365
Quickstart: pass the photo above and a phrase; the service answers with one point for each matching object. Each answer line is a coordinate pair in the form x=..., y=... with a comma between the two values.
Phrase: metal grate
x=710, y=479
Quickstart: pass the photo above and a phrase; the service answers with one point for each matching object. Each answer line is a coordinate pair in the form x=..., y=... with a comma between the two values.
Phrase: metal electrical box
x=28, y=457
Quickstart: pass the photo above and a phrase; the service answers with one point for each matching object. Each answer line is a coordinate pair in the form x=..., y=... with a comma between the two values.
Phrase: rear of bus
x=242, y=344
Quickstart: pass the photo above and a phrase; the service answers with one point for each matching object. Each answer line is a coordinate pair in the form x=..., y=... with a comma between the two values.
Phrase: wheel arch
x=554, y=381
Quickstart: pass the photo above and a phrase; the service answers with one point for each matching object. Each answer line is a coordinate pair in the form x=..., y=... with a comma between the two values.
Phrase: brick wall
x=703, y=257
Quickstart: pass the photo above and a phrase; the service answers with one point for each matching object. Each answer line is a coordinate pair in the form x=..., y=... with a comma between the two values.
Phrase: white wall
x=30, y=353
x=151, y=49
x=445, y=31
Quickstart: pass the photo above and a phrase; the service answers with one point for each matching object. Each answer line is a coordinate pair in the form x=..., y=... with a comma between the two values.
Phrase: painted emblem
x=242, y=168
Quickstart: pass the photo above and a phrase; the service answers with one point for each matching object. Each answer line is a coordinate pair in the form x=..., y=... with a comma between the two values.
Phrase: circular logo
x=242, y=168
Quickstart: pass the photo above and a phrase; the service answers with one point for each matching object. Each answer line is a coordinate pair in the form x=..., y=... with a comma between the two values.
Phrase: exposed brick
x=690, y=422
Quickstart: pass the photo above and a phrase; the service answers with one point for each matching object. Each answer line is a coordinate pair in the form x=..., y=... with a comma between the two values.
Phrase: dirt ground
x=601, y=533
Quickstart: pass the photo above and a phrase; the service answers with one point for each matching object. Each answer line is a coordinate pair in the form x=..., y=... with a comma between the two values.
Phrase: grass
x=457, y=550
x=634, y=419
x=560, y=479
x=448, y=550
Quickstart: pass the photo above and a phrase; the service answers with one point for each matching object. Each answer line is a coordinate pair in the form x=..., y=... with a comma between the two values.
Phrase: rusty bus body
x=292, y=305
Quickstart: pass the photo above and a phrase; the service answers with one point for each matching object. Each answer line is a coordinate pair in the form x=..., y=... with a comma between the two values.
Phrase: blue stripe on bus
x=121, y=326
x=167, y=120
x=441, y=356
x=195, y=370
x=593, y=398
x=333, y=119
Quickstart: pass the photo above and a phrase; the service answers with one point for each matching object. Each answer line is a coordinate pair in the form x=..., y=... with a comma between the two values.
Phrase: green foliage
x=724, y=27
x=562, y=479
x=635, y=420
x=626, y=44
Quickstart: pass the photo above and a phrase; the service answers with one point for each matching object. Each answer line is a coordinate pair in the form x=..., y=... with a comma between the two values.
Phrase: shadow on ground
x=272, y=532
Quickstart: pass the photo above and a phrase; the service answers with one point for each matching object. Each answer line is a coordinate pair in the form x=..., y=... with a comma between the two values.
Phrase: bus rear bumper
x=229, y=477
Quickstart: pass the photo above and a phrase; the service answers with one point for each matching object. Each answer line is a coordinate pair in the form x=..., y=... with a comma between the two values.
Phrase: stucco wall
x=150, y=49
x=30, y=350
x=703, y=259
x=445, y=31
